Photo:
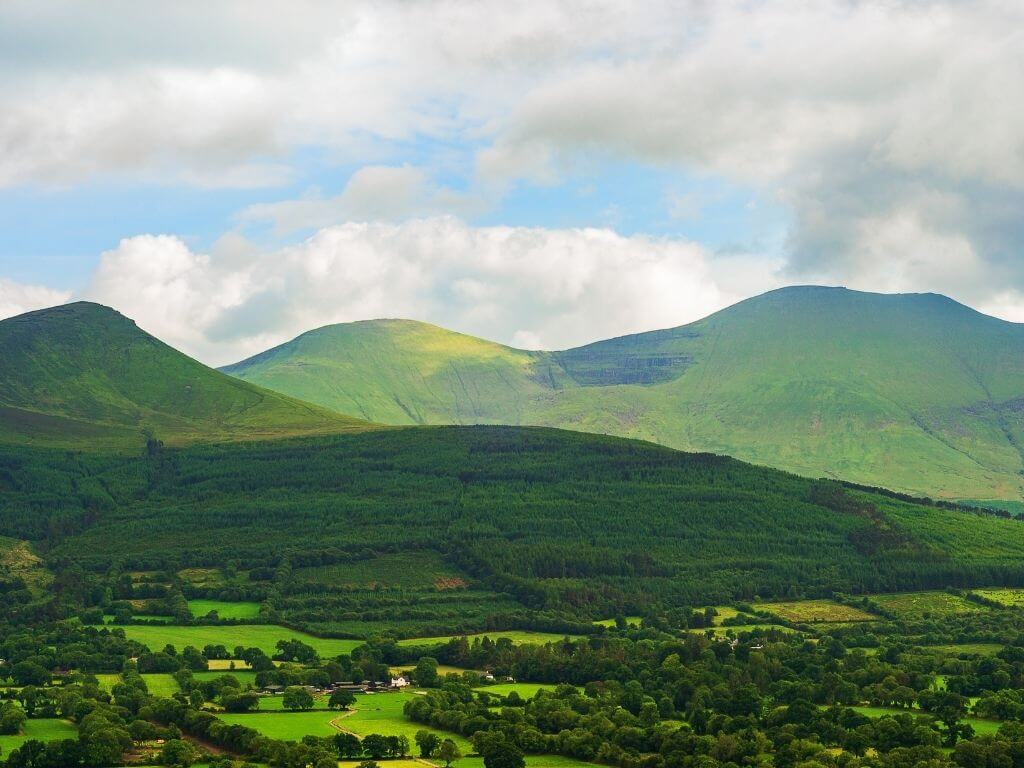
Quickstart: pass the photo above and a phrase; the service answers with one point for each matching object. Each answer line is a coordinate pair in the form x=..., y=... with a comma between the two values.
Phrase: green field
x=1008, y=596
x=967, y=649
x=917, y=605
x=225, y=610
x=276, y=703
x=107, y=681
x=41, y=730
x=516, y=636
x=263, y=636
x=290, y=726
x=532, y=761
x=161, y=685
x=423, y=569
x=525, y=690
x=243, y=676
x=442, y=669
x=382, y=713
x=633, y=621
x=813, y=611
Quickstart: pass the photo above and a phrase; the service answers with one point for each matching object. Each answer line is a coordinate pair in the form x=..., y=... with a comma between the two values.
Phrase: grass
x=41, y=730
x=532, y=761
x=290, y=726
x=108, y=681
x=382, y=713
x=442, y=669
x=225, y=610
x=263, y=636
x=813, y=611
x=525, y=690
x=83, y=375
x=633, y=621
x=981, y=726
x=422, y=569
x=1008, y=596
x=228, y=664
x=919, y=605
x=518, y=637
x=967, y=649
x=244, y=676
x=276, y=703
x=161, y=685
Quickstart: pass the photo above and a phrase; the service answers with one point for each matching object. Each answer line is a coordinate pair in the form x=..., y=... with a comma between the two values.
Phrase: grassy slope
x=84, y=374
x=912, y=392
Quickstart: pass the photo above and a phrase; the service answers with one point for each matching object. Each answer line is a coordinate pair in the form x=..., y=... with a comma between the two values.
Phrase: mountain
x=914, y=392
x=83, y=374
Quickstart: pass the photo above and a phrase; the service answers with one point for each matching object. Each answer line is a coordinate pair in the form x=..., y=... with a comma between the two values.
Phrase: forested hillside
x=913, y=392
x=457, y=527
x=82, y=374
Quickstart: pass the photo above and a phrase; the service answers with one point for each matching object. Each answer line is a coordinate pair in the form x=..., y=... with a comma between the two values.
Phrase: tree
x=341, y=699
x=12, y=719
x=297, y=697
x=448, y=753
x=427, y=742
x=347, y=745
x=375, y=745
x=179, y=753
x=425, y=673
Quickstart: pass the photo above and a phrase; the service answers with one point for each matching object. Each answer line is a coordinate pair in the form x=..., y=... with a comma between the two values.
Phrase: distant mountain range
x=82, y=374
x=913, y=392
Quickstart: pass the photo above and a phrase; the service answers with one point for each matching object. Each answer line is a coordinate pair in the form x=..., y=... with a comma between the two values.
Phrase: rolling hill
x=913, y=392
x=464, y=527
x=82, y=374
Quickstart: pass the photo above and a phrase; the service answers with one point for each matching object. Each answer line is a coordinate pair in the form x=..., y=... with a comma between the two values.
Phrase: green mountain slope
x=523, y=522
x=914, y=392
x=83, y=374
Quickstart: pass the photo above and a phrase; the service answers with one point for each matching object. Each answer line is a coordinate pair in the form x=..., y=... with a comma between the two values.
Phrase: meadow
x=224, y=609
x=516, y=636
x=263, y=636
x=918, y=605
x=383, y=713
x=525, y=690
x=288, y=726
x=1011, y=598
x=813, y=611
x=48, y=729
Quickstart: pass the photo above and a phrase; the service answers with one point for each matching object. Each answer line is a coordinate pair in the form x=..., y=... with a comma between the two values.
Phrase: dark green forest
x=534, y=527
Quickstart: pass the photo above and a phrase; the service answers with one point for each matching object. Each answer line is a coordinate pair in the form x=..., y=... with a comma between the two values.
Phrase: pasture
x=633, y=621
x=382, y=713
x=161, y=685
x=48, y=729
x=244, y=676
x=1008, y=596
x=981, y=726
x=815, y=611
x=262, y=636
x=518, y=637
x=224, y=609
x=416, y=569
x=930, y=604
x=525, y=690
x=290, y=726
x=967, y=649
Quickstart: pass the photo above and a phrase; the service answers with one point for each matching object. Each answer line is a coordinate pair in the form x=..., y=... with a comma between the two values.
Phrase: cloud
x=535, y=287
x=17, y=298
x=373, y=193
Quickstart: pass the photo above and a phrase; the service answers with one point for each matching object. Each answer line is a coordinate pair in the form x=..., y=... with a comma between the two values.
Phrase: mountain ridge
x=910, y=391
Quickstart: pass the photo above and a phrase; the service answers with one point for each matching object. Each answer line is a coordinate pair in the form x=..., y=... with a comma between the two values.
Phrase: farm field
x=382, y=713
x=1008, y=596
x=633, y=621
x=814, y=611
x=918, y=605
x=525, y=690
x=723, y=631
x=42, y=730
x=442, y=669
x=532, y=761
x=243, y=676
x=225, y=610
x=263, y=636
x=276, y=703
x=228, y=664
x=107, y=680
x=290, y=726
x=161, y=685
x=516, y=636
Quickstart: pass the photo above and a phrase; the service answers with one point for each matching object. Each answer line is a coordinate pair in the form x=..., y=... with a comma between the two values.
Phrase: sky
x=230, y=174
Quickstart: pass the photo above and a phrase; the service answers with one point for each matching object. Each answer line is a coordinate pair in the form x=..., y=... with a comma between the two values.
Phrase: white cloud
x=17, y=298
x=536, y=287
